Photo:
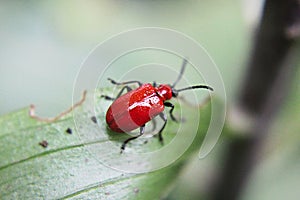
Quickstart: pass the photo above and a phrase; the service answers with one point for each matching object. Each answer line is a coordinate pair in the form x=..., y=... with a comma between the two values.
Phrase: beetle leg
x=107, y=97
x=142, y=130
x=121, y=91
x=168, y=104
x=119, y=94
x=153, y=124
x=124, y=83
x=164, y=117
x=154, y=84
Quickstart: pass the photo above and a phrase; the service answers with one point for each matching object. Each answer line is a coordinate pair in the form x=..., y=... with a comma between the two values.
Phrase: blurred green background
x=43, y=44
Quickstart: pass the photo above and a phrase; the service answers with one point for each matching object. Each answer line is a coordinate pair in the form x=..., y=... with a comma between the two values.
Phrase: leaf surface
x=77, y=165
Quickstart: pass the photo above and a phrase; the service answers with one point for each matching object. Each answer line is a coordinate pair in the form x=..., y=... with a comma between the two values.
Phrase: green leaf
x=76, y=165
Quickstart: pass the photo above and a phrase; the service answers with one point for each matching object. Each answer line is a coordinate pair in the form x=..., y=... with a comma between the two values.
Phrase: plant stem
x=270, y=69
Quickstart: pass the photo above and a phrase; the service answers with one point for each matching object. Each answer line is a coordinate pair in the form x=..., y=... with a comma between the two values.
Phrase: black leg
x=168, y=104
x=154, y=84
x=124, y=83
x=142, y=130
x=119, y=94
x=153, y=121
x=153, y=124
x=107, y=97
x=122, y=90
x=164, y=117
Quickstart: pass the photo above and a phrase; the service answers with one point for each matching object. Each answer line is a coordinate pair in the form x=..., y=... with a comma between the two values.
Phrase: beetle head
x=165, y=91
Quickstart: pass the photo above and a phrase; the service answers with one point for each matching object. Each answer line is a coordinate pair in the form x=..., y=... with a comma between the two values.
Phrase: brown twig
x=32, y=111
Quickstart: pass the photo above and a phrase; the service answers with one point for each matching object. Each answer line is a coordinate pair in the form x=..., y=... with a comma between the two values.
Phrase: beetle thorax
x=164, y=91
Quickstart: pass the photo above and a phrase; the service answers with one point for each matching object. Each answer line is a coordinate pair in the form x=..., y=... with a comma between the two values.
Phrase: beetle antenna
x=181, y=72
x=196, y=87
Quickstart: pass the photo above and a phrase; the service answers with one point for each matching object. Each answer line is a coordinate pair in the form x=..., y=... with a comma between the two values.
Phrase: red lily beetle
x=135, y=108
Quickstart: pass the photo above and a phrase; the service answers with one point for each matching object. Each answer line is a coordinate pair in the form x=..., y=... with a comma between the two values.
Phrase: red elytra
x=137, y=107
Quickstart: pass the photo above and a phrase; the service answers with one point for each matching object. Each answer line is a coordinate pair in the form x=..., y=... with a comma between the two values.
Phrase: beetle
x=138, y=106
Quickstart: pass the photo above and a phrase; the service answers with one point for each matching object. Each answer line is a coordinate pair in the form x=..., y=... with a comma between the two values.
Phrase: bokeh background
x=43, y=44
